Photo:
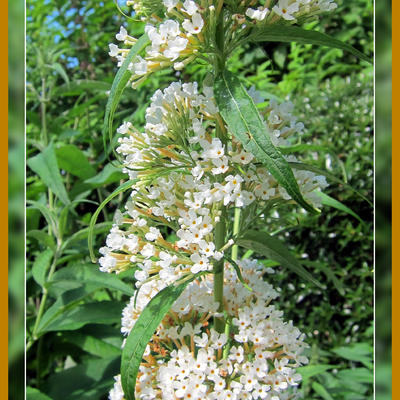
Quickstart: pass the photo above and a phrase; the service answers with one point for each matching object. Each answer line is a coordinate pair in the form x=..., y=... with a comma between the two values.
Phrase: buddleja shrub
x=206, y=168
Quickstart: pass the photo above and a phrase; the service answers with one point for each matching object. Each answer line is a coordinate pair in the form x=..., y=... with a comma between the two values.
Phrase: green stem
x=43, y=112
x=44, y=296
x=220, y=39
x=219, y=323
x=236, y=228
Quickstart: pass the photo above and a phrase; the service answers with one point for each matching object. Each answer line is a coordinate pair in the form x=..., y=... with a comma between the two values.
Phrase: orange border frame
x=395, y=194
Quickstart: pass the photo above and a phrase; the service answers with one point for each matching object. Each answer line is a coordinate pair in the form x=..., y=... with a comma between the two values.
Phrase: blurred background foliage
x=74, y=349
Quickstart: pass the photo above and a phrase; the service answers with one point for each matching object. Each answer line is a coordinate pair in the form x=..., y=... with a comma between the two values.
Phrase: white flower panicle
x=186, y=359
x=174, y=42
x=184, y=176
x=180, y=32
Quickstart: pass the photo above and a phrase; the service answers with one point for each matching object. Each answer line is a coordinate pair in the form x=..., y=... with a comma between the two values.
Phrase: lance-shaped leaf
x=119, y=84
x=244, y=121
x=274, y=249
x=331, y=202
x=141, y=334
x=281, y=33
x=45, y=165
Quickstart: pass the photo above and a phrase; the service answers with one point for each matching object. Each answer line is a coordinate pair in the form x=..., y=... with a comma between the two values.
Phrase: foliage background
x=74, y=360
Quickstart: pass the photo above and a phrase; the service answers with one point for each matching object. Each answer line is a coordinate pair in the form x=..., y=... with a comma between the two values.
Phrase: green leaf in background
x=80, y=86
x=321, y=391
x=46, y=212
x=41, y=265
x=72, y=160
x=69, y=297
x=244, y=121
x=42, y=237
x=92, y=345
x=279, y=33
x=45, y=165
x=361, y=352
x=141, y=333
x=331, y=202
x=90, y=274
x=35, y=394
x=90, y=380
x=273, y=249
x=83, y=234
x=119, y=84
x=60, y=70
x=109, y=174
x=93, y=220
x=309, y=371
x=101, y=312
x=359, y=375
x=330, y=274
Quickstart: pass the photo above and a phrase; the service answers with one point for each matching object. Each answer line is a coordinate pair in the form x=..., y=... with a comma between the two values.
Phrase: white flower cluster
x=199, y=174
x=180, y=32
x=290, y=10
x=172, y=42
x=257, y=359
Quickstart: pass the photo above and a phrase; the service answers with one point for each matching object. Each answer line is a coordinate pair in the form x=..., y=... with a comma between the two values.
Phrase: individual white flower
x=257, y=14
x=114, y=50
x=140, y=66
x=195, y=25
x=190, y=7
x=170, y=4
x=285, y=10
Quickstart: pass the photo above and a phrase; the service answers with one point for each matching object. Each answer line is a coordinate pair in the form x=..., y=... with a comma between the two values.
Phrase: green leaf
x=80, y=109
x=46, y=212
x=92, y=344
x=100, y=312
x=309, y=371
x=274, y=249
x=109, y=174
x=45, y=165
x=84, y=233
x=244, y=121
x=361, y=352
x=280, y=33
x=359, y=375
x=42, y=237
x=41, y=265
x=312, y=168
x=81, y=86
x=319, y=389
x=66, y=300
x=141, y=334
x=119, y=84
x=72, y=160
x=331, y=202
x=90, y=274
x=60, y=70
x=90, y=380
x=93, y=220
x=35, y=394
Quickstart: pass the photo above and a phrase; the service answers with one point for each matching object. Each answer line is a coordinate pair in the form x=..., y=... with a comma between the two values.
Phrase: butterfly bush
x=181, y=32
x=200, y=174
x=188, y=175
x=186, y=360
